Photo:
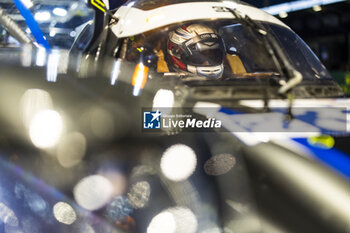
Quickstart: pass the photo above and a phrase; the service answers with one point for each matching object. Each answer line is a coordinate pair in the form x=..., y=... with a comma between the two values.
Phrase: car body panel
x=135, y=21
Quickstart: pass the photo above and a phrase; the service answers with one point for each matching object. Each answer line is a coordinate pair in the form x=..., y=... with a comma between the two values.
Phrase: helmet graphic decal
x=196, y=49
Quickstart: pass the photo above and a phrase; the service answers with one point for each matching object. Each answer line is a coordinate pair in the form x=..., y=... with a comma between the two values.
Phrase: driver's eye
x=193, y=47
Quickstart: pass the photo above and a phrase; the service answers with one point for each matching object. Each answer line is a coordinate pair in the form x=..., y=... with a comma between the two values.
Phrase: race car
x=177, y=116
x=220, y=40
x=230, y=61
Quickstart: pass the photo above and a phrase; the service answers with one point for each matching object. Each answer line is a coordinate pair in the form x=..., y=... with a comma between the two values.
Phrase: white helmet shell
x=197, y=49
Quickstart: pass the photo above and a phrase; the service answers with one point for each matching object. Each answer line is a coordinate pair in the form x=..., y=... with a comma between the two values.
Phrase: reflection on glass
x=35, y=202
x=219, y=164
x=139, y=194
x=116, y=177
x=46, y=128
x=174, y=220
x=32, y=102
x=7, y=215
x=64, y=213
x=26, y=56
x=115, y=71
x=93, y=192
x=163, y=99
x=52, y=66
x=139, y=78
x=40, y=56
x=71, y=149
x=178, y=162
x=162, y=223
x=118, y=209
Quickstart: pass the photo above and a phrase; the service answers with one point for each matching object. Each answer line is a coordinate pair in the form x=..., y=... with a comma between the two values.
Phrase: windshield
x=221, y=49
x=299, y=54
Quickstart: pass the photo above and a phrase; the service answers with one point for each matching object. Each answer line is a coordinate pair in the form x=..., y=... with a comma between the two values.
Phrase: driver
x=196, y=49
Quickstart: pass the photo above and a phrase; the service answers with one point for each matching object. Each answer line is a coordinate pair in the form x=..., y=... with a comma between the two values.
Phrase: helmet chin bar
x=207, y=71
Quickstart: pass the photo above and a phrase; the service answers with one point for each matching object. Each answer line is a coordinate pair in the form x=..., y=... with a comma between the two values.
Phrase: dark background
x=327, y=32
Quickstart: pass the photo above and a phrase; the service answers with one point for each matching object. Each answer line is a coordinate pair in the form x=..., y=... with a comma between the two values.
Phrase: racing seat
x=235, y=64
x=162, y=66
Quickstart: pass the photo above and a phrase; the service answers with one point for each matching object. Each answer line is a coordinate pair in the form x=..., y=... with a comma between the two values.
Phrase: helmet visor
x=211, y=57
x=209, y=52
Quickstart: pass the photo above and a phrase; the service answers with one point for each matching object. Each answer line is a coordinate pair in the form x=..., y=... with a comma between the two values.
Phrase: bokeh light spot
x=174, y=220
x=71, y=149
x=139, y=194
x=163, y=99
x=162, y=223
x=64, y=213
x=93, y=192
x=7, y=216
x=219, y=164
x=46, y=128
x=118, y=209
x=32, y=102
x=178, y=162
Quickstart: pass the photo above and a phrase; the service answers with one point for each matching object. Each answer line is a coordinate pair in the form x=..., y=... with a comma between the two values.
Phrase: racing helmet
x=197, y=49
